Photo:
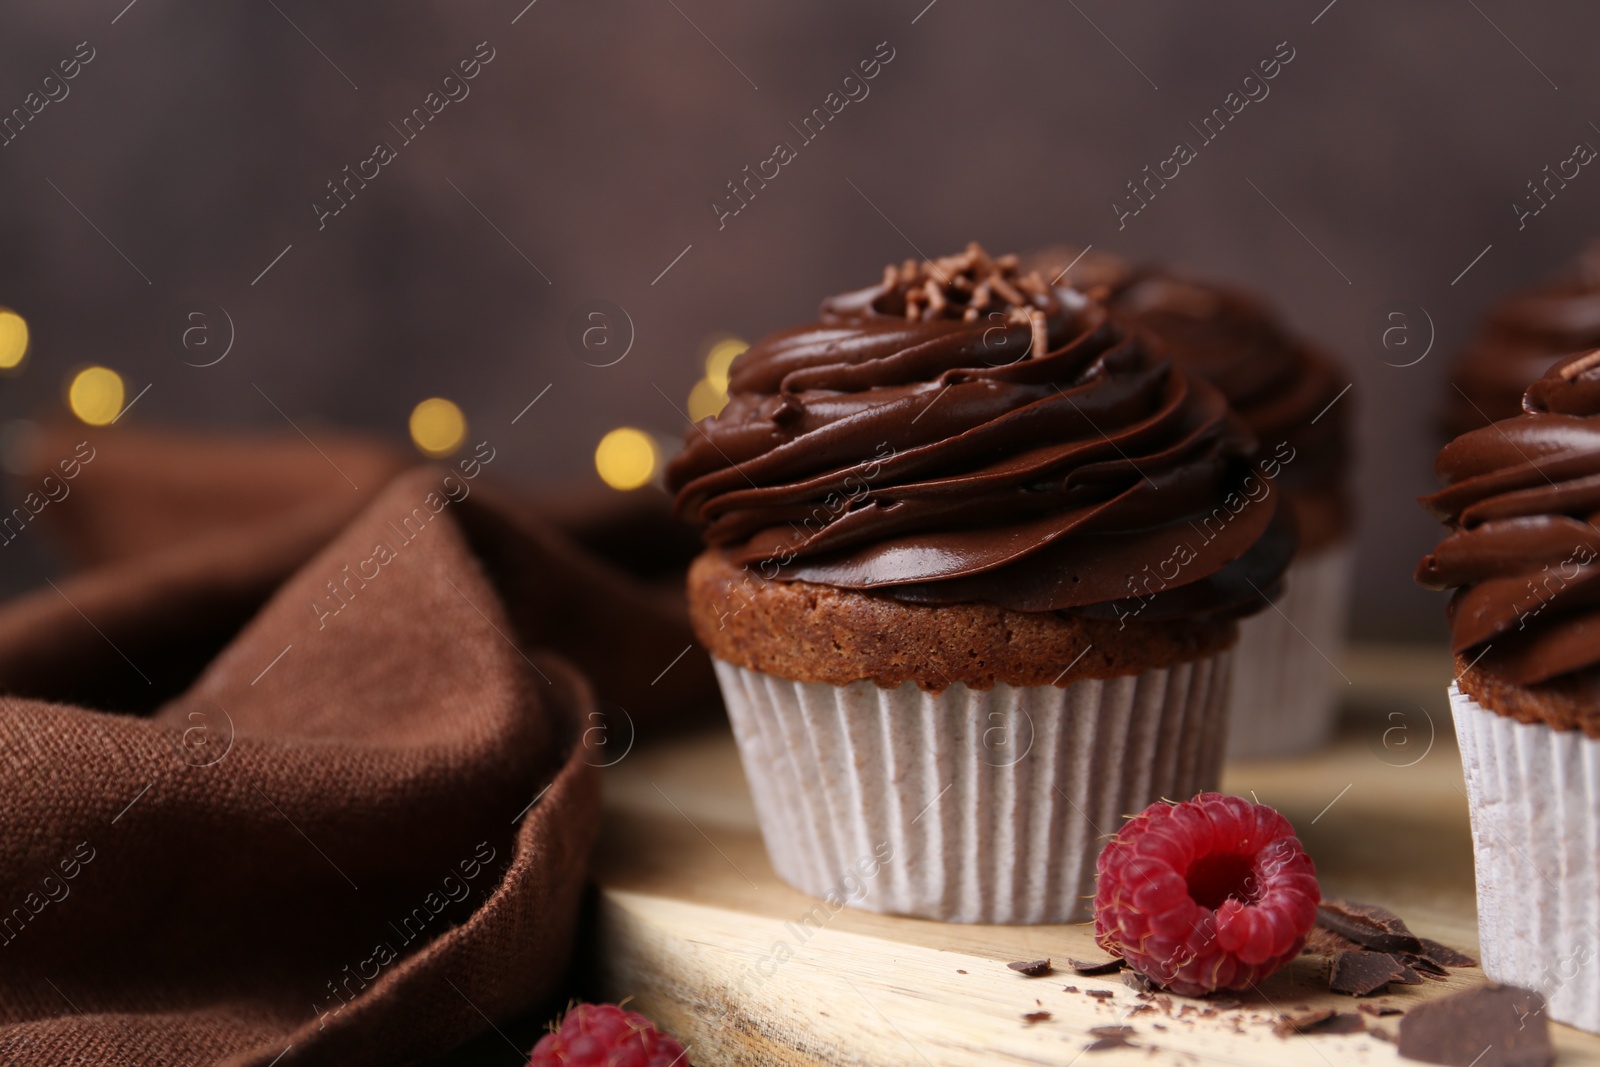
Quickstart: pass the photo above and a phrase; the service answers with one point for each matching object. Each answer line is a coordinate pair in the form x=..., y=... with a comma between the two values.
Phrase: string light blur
x=437, y=427
x=626, y=458
x=710, y=394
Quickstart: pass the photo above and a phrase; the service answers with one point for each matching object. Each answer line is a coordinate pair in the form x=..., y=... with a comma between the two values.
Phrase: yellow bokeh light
x=13, y=339
x=720, y=358
x=706, y=400
x=437, y=427
x=626, y=458
x=95, y=395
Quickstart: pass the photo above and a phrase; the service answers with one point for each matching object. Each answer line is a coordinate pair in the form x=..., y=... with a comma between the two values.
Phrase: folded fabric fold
x=307, y=781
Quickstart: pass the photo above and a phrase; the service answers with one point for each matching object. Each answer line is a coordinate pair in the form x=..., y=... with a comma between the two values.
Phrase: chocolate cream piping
x=1522, y=499
x=960, y=432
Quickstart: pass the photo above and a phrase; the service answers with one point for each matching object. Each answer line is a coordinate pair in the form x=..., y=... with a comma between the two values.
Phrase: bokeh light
x=705, y=400
x=626, y=458
x=720, y=358
x=95, y=395
x=437, y=427
x=13, y=339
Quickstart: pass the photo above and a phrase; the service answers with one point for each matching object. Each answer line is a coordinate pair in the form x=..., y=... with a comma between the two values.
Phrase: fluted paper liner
x=1535, y=800
x=967, y=805
x=1285, y=693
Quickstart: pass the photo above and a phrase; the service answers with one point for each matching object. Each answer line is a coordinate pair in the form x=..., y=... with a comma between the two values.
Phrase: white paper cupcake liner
x=1535, y=800
x=967, y=805
x=1285, y=694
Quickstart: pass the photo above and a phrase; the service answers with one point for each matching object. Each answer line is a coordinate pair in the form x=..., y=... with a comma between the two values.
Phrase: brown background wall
x=198, y=137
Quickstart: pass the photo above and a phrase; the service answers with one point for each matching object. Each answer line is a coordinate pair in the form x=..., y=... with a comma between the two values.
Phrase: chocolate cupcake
x=1290, y=393
x=1521, y=498
x=1522, y=336
x=975, y=556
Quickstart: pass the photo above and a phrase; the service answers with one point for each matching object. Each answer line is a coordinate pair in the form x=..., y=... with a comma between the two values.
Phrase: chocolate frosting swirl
x=1522, y=336
x=1279, y=383
x=960, y=432
x=1522, y=497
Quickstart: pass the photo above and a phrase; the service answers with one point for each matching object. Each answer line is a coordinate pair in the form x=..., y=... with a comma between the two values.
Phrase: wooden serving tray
x=705, y=938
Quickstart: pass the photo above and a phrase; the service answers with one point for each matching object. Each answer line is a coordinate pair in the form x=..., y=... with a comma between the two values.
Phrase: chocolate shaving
x=1032, y=968
x=1100, y=994
x=1069, y=989
x=1323, y=942
x=1423, y=964
x=1487, y=1026
x=1444, y=955
x=1094, y=968
x=1363, y=973
x=1110, y=1037
x=1321, y=1021
x=1368, y=925
x=1037, y=1017
x=1136, y=981
x=1379, y=1009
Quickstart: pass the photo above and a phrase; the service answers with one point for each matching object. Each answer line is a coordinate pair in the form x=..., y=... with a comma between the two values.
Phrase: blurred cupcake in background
x=1519, y=340
x=1292, y=395
x=975, y=552
x=1521, y=500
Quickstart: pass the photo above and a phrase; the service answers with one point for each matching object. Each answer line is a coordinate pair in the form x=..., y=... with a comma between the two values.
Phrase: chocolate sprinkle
x=1363, y=973
x=1092, y=968
x=1032, y=968
x=1037, y=1017
x=1487, y=1026
x=1368, y=925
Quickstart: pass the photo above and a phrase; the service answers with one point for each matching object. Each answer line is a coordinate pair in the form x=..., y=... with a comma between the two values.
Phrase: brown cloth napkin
x=293, y=770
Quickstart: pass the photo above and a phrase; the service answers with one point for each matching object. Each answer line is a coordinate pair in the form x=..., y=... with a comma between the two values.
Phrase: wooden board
x=697, y=928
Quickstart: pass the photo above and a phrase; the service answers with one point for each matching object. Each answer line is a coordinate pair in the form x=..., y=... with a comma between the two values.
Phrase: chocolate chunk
x=1109, y=1037
x=1037, y=1017
x=1032, y=968
x=1092, y=968
x=1362, y=973
x=1423, y=965
x=1487, y=1026
x=1134, y=980
x=1444, y=955
x=1367, y=924
x=1100, y=994
x=1321, y=1021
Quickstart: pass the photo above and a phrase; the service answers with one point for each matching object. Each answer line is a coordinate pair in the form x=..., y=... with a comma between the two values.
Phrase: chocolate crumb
x=1134, y=980
x=1379, y=1009
x=1100, y=994
x=1487, y=1026
x=1037, y=1017
x=1109, y=1037
x=960, y=971
x=1444, y=955
x=1226, y=1004
x=1362, y=973
x=1032, y=968
x=1094, y=968
x=1368, y=925
x=1069, y=989
x=1321, y=1021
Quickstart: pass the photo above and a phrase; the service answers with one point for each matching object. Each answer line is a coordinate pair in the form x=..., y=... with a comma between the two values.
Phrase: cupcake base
x=1285, y=695
x=967, y=805
x=1535, y=801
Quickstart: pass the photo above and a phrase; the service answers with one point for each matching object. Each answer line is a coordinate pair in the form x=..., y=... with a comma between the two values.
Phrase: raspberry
x=604, y=1035
x=1212, y=893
